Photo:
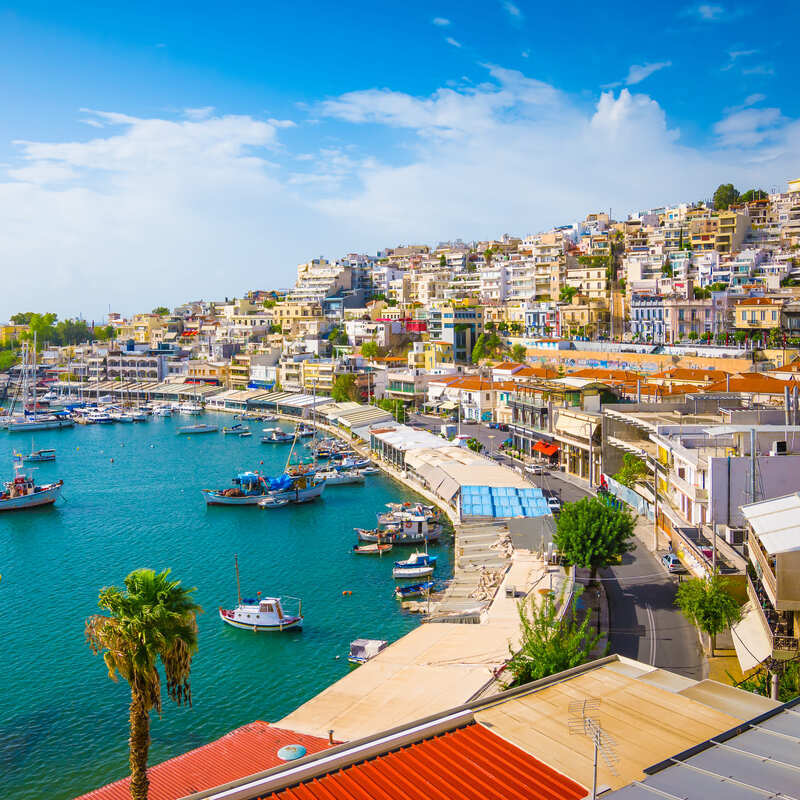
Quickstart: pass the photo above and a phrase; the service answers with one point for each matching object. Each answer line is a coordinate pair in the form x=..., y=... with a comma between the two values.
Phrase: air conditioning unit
x=733, y=536
x=778, y=448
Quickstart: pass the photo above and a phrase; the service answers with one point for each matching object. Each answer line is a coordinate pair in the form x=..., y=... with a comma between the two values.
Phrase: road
x=645, y=624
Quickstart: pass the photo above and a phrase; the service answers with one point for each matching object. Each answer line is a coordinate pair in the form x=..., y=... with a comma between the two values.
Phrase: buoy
x=346, y=593
x=337, y=658
x=112, y=460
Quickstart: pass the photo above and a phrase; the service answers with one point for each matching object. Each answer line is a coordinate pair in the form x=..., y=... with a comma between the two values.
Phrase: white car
x=554, y=504
x=535, y=469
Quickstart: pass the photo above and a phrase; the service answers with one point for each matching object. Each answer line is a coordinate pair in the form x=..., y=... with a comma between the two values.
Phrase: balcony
x=694, y=493
x=783, y=645
x=763, y=568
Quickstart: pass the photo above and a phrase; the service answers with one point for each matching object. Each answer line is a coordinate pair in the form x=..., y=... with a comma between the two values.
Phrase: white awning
x=751, y=641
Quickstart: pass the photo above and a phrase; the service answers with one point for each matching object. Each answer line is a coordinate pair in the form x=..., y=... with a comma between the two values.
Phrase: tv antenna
x=583, y=722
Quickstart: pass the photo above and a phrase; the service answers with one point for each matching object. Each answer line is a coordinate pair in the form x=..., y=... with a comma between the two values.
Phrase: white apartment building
x=318, y=279
x=494, y=281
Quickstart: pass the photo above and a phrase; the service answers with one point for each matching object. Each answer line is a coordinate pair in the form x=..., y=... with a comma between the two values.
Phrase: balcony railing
x=763, y=568
x=782, y=645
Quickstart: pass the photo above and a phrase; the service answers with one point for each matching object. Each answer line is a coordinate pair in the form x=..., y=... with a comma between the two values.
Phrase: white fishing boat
x=190, y=408
x=294, y=489
x=162, y=411
x=38, y=422
x=409, y=529
x=22, y=492
x=416, y=566
x=277, y=437
x=247, y=490
x=335, y=478
x=138, y=415
x=362, y=650
x=99, y=417
x=273, y=502
x=261, y=613
x=375, y=549
x=199, y=428
x=245, y=434
x=369, y=470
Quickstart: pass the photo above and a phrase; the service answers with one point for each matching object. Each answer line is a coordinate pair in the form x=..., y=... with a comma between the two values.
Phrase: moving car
x=672, y=563
x=554, y=504
x=535, y=469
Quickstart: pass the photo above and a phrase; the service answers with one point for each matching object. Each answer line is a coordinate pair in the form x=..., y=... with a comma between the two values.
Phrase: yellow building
x=143, y=328
x=584, y=317
x=724, y=231
x=758, y=313
x=213, y=372
x=11, y=333
x=430, y=355
x=292, y=316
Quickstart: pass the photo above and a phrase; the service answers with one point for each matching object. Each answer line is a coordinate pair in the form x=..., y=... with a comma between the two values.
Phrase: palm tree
x=152, y=618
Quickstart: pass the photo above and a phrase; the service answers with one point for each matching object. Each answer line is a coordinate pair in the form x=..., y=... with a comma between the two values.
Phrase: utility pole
x=655, y=504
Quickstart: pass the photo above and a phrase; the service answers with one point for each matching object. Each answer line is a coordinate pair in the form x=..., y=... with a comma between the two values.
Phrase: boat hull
x=213, y=498
x=413, y=572
x=390, y=537
x=46, y=496
x=39, y=425
x=300, y=495
x=292, y=623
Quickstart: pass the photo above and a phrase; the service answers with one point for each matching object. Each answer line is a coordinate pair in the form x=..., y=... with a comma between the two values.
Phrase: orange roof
x=478, y=384
x=242, y=752
x=750, y=383
x=536, y=372
x=508, y=365
x=470, y=763
x=759, y=301
x=793, y=367
x=691, y=374
x=606, y=374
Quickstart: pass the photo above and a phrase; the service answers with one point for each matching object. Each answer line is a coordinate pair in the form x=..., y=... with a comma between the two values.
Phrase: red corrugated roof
x=242, y=752
x=470, y=763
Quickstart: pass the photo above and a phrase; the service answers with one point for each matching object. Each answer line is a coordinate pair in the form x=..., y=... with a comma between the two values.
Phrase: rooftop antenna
x=581, y=723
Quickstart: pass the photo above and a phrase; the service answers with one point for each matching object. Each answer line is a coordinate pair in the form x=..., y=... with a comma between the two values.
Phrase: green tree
x=152, y=619
x=162, y=311
x=275, y=329
x=7, y=359
x=725, y=195
x=105, y=333
x=518, y=353
x=591, y=535
x=479, y=350
x=693, y=335
x=788, y=682
x=567, y=293
x=706, y=603
x=442, y=260
x=475, y=445
x=633, y=469
x=22, y=318
x=344, y=388
x=753, y=194
x=369, y=349
x=740, y=337
x=549, y=644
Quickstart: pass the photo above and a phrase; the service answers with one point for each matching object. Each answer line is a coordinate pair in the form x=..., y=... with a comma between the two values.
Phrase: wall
x=776, y=476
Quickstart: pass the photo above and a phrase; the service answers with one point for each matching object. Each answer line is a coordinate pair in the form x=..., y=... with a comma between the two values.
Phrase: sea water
x=131, y=499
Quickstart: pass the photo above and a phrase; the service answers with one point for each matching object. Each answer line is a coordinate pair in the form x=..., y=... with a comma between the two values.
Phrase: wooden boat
x=40, y=455
x=416, y=566
x=413, y=590
x=261, y=613
x=301, y=489
x=371, y=549
x=247, y=490
x=22, y=493
x=362, y=650
x=396, y=536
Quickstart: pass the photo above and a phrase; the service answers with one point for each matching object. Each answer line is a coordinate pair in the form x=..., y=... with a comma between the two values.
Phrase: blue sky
x=153, y=153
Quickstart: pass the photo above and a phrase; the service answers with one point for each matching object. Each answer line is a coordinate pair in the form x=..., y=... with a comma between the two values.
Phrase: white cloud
x=750, y=100
x=759, y=69
x=638, y=72
x=452, y=41
x=512, y=10
x=442, y=22
x=735, y=55
x=155, y=211
x=199, y=113
x=705, y=11
x=525, y=53
x=749, y=127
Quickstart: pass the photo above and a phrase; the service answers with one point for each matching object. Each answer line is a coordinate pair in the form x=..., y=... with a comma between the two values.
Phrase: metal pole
x=714, y=548
x=594, y=772
x=753, y=463
x=655, y=504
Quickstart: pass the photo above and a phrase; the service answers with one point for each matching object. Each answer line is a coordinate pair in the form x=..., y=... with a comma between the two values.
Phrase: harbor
x=132, y=497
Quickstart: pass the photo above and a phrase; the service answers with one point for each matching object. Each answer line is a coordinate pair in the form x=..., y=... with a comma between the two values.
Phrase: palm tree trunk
x=139, y=745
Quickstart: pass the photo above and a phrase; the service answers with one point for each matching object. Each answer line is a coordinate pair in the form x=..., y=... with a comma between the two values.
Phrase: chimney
x=330, y=737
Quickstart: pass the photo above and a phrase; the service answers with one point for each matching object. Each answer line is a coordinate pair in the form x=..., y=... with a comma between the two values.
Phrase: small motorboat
x=303, y=431
x=293, y=489
x=200, y=428
x=234, y=429
x=274, y=502
x=277, y=437
x=261, y=613
x=371, y=549
x=335, y=478
x=248, y=488
x=369, y=470
x=362, y=650
x=416, y=566
x=244, y=434
x=40, y=455
x=413, y=590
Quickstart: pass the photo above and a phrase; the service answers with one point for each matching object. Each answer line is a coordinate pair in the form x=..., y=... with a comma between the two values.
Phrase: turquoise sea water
x=64, y=724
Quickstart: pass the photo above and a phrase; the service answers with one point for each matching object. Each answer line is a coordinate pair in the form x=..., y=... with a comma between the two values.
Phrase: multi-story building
x=430, y=355
x=647, y=317
x=132, y=365
x=724, y=231
x=758, y=314
x=216, y=373
x=460, y=324
x=494, y=281
x=295, y=317
x=588, y=275
x=142, y=328
x=584, y=317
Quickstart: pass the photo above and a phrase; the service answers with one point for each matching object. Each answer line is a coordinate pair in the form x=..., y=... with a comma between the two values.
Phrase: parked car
x=672, y=563
x=468, y=421
x=554, y=504
x=535, y=469
x=502, y=426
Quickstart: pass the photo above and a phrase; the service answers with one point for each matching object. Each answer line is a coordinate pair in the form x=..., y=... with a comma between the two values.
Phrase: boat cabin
x=362, y=650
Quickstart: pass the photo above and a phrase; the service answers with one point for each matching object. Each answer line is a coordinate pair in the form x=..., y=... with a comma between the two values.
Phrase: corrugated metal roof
x=242, y=752
x=467, y=763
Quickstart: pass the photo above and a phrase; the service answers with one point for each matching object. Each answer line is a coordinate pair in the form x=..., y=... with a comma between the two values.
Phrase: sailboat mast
x=238, y=587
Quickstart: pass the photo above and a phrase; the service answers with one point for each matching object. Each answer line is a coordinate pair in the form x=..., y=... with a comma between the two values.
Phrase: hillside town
x=652, y=362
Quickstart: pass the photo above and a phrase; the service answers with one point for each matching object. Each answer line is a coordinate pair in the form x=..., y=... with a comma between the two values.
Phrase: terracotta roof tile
x=242, y=752
x=752, y=383
x=470, y=763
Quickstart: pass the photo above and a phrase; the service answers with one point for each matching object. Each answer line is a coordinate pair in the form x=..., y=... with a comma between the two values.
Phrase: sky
x=154, y=153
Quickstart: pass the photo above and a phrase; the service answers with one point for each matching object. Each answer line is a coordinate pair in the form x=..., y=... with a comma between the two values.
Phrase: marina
x=133, y=497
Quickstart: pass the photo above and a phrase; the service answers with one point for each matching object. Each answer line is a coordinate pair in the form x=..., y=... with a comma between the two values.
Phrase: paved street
x=645, y=624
